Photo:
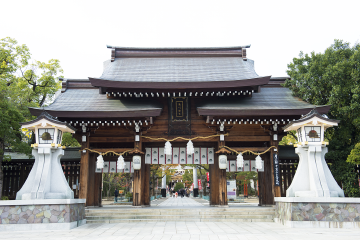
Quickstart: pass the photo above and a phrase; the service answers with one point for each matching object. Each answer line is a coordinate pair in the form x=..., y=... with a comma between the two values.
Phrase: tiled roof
x=80, y=102
x=179, y=69
x=269, y=101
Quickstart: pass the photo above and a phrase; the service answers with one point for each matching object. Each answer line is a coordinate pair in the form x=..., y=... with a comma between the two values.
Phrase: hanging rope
x=118, y=154
x=250, y=150
x=186, y=139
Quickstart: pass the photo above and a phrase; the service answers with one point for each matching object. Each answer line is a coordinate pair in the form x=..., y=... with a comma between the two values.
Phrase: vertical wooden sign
x=276, y=170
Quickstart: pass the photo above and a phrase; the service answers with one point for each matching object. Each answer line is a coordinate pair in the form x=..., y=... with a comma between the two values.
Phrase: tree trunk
x=108, y=195
x=2, y=147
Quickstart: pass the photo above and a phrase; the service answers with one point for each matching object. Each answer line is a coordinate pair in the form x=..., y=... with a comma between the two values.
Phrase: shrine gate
x=147, y=96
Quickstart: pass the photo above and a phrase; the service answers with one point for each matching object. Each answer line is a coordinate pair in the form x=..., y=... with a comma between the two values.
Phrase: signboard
x=276, y=170
x=179, y=109
x=231, y=189
x=121, y=191
x=199, y=184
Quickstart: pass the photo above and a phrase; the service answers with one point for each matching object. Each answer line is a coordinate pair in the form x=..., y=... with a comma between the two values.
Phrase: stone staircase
x=213, y=214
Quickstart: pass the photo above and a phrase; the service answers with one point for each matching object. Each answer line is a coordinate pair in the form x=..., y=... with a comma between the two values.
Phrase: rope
x=186, y=139
x=250, y=150
x=118, y=154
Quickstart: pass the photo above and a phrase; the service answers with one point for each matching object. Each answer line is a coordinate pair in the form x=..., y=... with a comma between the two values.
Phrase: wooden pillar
x=84, y=170
x=146, y=185
x=214, y=182
x=268, y=187
x=276, y=189
x=218, y=184
x=97, y=189
x=137, y=185
x=90, y=183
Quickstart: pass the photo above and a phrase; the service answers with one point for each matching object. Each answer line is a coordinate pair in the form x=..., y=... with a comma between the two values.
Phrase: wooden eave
x=100, y=114
x=97, y=82
x=257, y=112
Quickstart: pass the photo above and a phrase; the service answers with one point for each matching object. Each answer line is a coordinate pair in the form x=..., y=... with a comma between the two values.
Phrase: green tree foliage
x=289, y=139
x=354, y=156
x=178, y=186
x=157, y=172
x=69, y=141
x=333, y=78
x=22, y=85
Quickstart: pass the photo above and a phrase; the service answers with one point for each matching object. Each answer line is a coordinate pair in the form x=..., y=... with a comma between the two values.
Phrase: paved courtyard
x=186, y=230
x=181, y=202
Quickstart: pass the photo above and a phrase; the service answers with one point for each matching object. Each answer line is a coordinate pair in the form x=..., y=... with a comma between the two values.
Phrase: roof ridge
x=179, y=48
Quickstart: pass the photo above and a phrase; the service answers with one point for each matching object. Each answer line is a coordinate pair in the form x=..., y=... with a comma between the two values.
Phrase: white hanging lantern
x=100, y=162
x=190, y=147
x=258, y=162
x=222, y=161
x=120, y=163
x=240, y=160
x=137, y=162
x=168, y=148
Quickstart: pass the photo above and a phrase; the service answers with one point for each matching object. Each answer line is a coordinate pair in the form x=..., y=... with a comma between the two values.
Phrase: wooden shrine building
x=146, y=96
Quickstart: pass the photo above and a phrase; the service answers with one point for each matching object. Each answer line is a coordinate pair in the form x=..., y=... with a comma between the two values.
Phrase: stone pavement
x=186, y=230
x=180, y=202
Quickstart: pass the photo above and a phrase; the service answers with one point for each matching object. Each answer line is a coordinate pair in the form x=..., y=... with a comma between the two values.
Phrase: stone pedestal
x=44, y=214
x=325, y=212
x=196, y=192
x=313, y=177
x=46, y=179
x=163, y=192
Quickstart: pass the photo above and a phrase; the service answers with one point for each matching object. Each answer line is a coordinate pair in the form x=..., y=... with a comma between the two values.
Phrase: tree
x=22, y=85
x=332, y=78
x=69, y=141
x=178, y=186
x=243, y=178
x=156, y=173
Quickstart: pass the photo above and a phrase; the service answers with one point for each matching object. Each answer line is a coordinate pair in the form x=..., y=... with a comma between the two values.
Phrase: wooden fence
x=16, y=173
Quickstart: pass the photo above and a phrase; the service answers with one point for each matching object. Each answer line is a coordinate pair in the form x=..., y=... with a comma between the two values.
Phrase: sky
x=77, y=32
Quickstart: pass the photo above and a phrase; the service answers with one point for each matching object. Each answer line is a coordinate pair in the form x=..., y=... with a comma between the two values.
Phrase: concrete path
x=180, y=202
x=186, y=230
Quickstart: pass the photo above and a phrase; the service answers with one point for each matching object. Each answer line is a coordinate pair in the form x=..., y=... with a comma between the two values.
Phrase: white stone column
x=195, y=181
x=163, y=185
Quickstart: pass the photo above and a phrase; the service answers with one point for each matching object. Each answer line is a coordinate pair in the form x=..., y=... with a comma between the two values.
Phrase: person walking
x=188, y=192
x=116, y=193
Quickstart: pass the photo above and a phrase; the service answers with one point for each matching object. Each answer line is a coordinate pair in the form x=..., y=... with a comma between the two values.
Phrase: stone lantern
x=46, y=179
x=313, y=177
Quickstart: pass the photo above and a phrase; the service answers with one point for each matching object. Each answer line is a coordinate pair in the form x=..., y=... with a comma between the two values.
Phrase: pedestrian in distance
x=116, y=193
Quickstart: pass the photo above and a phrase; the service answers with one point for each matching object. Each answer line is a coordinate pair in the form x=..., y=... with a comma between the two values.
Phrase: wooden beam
x=254, y=149
x=117, y=150
x=84, y=170
x=247, y=138
x=111, y=139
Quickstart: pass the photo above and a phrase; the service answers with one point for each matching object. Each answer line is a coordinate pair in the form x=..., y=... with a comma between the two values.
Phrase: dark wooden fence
x=287, y=172
x=16, y=173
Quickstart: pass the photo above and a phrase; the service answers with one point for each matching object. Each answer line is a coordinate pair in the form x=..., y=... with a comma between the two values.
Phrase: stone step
x=176, y=220
x=205, y=211
x=179, y=213
x=179, y=217
x=118, y=215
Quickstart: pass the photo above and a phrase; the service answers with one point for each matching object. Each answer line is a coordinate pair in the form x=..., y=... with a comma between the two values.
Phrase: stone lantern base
x=42, y=214
x=318, y=212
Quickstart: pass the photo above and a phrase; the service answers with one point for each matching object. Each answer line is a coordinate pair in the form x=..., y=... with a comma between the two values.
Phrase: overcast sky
x=77, y=32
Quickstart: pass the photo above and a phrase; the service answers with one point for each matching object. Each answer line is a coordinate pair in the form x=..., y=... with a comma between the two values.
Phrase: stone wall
x=44, y=213
x=307, y=211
